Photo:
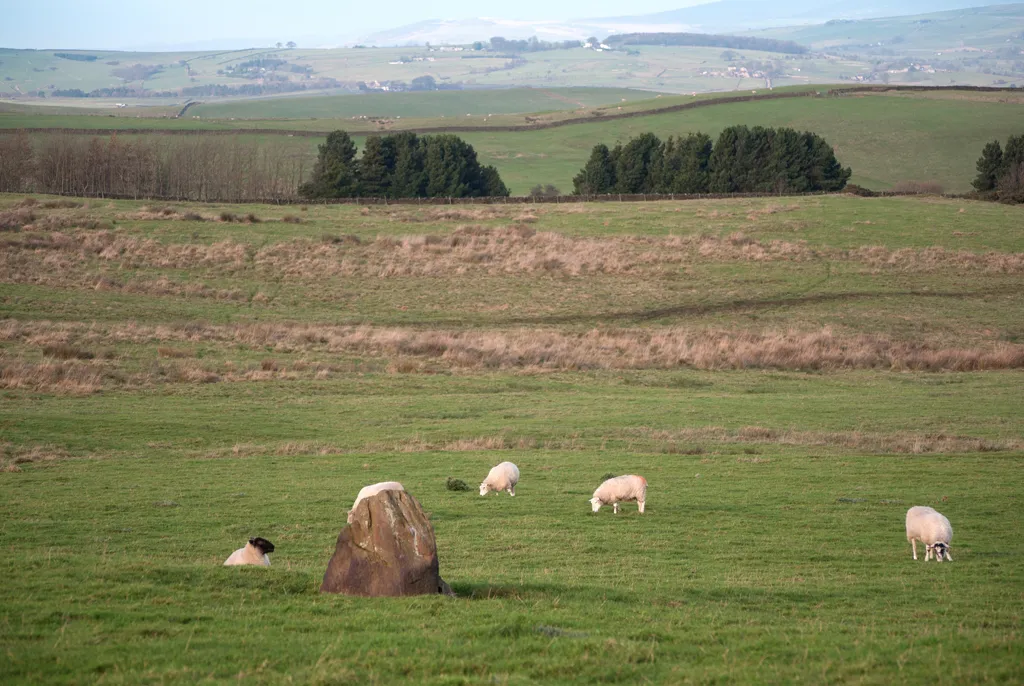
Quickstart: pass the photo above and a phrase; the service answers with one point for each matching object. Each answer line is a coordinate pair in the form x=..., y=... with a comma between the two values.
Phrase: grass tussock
x=13, y=456
x=63, y=351
x=16, y=219
x=64, y=378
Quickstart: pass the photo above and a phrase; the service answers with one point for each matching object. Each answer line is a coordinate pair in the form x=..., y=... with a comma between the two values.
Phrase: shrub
x=456, y=485
x=923, y=187
x=545, y=191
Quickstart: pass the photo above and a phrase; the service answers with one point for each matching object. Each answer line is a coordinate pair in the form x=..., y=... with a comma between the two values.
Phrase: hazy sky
x=126, y=24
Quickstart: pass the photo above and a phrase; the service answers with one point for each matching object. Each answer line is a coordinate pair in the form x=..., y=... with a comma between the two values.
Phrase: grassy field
x=434, y=104
x=954, y=33
x=886, y=138
x=790, y=376
x=972, y=47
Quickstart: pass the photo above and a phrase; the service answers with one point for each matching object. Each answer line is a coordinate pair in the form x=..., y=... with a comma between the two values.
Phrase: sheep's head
x=262, y=544
x=595, y=504
x=484, y=488
x=939, y=551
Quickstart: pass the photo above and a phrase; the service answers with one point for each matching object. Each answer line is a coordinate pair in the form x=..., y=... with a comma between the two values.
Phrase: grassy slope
x=981, y=28
x=884, y=138
x=421, y=105
x=759, y=560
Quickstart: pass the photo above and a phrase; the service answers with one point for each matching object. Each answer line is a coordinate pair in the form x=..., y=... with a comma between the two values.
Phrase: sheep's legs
x=913, y=546
x=949, y=558
x=641, y=506
x=512, y=491
x=615, y=508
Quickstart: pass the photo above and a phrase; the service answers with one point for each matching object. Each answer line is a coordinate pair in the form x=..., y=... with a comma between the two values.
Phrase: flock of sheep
x=924, y=524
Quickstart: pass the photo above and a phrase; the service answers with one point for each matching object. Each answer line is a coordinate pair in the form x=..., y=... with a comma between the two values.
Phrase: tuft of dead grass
x=12, y=456
x=63, y=351
x=71, y=378
x=16, y=219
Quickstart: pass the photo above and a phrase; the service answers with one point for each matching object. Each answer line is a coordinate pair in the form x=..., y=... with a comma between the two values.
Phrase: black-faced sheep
x=256, y=552
x=931, y=528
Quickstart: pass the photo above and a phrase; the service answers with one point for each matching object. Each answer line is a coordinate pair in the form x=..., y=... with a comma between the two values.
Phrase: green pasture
x=433, y=104
x=773, y=546
x=753, y=562
x=885, y=138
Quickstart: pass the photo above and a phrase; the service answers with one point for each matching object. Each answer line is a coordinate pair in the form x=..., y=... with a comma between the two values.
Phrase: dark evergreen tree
x=598, y=176
x=452, y=168
x=492, y=184
x=635, y=163
x=824, y=173
x=989, y=166
x=376, y=167
x=682, y=165
x=334, y=174
x=758, y=176
x=788, y=164
x=725, y=166
x=409, y=179
x=1013, y=155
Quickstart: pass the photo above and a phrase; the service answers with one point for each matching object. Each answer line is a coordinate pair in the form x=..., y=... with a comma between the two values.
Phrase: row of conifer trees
x=742, y=160
x=401, y=165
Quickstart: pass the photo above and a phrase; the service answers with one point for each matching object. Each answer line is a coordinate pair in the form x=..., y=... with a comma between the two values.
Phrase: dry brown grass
x=409, y=350
x=14, y=219
x=63, y=351
x=12, y=456
x=469, y=248
x=70, y=378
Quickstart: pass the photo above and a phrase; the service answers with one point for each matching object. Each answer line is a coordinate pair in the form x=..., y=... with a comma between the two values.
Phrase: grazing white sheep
x=502, y=477
x=256, y=552
x=373, y=489
x=620, y=489
x=931, y=528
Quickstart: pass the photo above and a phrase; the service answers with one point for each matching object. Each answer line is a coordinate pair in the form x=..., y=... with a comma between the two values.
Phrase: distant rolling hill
x=719, y=16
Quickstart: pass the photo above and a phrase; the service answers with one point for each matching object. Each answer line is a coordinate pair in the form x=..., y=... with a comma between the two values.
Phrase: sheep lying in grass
x=256, y=552
x=373, y=489
x=502, y=477
x=931, y=528
x=620, y=489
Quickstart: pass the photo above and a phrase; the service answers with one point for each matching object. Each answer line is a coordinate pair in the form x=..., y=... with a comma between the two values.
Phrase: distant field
x=972, y=47
x=885, y=138
x=955, y=33
x=421, y=105
x=790, y=375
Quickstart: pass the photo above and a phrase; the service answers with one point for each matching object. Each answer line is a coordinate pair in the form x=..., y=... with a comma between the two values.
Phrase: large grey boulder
x=387, y=550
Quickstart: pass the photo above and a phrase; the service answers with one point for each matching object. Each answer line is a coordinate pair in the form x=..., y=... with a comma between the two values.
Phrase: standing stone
x=387, y=550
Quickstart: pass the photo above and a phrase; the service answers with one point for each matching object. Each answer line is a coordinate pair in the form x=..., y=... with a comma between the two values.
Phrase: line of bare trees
x=201, y=168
